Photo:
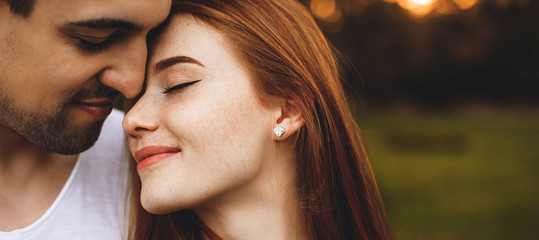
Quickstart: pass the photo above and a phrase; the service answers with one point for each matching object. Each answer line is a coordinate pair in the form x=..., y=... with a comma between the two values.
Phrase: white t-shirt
x=91, y=203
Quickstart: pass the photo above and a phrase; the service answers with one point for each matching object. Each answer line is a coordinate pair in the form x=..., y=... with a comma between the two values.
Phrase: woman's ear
x=288, y=120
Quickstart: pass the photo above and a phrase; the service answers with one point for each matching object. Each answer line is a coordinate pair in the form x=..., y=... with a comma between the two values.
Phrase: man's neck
x=20, y=158
x=30, y=180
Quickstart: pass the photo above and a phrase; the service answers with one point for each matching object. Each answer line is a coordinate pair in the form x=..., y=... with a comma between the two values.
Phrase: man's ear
x=289, y=117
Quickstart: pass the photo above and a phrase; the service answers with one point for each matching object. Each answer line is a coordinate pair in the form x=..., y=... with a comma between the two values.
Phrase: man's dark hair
x=21, y=7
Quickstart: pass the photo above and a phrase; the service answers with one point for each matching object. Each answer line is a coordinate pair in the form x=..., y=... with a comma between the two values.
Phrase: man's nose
x=126, y=70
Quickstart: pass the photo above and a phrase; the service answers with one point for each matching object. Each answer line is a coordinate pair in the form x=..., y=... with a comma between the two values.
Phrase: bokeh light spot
x=465, y=4
x=323, y=8
x=418, y=8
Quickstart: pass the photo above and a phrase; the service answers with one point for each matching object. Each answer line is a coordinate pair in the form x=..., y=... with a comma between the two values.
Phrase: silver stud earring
x=278, y=130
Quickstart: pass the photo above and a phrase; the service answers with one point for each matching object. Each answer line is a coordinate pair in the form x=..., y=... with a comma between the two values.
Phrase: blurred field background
x=449, y=106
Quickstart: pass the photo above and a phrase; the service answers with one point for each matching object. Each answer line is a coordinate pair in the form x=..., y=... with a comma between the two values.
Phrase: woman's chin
x=157, y=202
x=155, y=206
x=162, y=202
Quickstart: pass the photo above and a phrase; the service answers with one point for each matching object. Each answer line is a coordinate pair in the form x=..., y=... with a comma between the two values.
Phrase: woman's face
x=199, y=133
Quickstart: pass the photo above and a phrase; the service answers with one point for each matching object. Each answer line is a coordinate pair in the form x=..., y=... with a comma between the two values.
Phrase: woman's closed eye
x=179, y=86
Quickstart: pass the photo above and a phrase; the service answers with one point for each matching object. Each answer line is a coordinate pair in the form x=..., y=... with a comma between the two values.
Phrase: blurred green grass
x=470, y=175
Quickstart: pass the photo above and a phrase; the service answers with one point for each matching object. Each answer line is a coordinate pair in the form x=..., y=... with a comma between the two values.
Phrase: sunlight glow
x=420, y=8
x=417, y=8
x=423, y=2
x=333, y=11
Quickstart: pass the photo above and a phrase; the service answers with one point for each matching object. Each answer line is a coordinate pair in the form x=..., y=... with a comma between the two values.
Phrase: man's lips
x=96, y=101
x=152, y=154
x=96, y=107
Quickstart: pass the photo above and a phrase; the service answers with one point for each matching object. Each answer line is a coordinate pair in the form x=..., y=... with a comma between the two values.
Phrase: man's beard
x=54, y=132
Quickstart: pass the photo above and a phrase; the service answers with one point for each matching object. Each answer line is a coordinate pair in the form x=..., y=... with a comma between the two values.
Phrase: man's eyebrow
x=167, y=62
x=105, y=23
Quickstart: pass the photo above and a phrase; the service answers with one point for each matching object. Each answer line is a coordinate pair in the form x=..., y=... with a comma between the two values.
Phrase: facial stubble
x=53, y=130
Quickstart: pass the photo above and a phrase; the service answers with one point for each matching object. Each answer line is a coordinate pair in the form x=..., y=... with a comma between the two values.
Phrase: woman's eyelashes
x=179, y=86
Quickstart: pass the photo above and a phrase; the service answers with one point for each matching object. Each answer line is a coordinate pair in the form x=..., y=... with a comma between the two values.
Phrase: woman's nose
x=141, y=119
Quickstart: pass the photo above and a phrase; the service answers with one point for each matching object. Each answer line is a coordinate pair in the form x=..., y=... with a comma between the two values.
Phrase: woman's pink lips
x=149, y=155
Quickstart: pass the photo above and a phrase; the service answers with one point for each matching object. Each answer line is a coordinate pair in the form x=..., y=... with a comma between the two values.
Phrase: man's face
x=62, y=66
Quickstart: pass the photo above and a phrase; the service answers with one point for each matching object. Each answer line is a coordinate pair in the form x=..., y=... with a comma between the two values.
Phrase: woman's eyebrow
x=167, y=62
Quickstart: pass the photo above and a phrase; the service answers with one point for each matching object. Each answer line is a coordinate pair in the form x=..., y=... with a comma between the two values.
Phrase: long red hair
x=289, y=58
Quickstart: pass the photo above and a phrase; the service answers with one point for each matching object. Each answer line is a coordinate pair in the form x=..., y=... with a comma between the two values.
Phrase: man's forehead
x=100, y=11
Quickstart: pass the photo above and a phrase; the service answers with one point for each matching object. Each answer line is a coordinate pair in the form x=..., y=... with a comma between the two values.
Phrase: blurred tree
x=437, y=52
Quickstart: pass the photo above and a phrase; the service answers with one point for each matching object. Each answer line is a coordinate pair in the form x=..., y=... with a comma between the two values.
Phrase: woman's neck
x=267, y=208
